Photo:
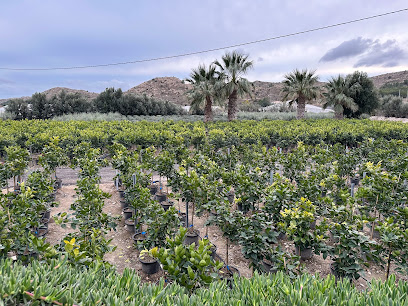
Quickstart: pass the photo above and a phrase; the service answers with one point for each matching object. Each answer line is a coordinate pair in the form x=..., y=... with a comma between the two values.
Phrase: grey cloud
x=6, y=81
x=348, y=49
x=387, y=54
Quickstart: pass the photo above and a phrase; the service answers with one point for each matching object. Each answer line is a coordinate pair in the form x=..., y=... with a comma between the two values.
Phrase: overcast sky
x=49, y=33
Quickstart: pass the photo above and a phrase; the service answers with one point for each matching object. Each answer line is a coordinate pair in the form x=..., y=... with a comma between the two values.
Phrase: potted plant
x=255, y=236
x=349, y=252
x=276, y=259
x=17, y=160
x=296, y=223
x=188, y=266
x=149, y=261
x=393, y=244
x=52, y=157
x=277, y=197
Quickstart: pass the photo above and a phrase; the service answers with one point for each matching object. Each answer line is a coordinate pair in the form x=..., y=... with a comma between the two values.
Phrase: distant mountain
x=170, y=89
x=393, y=77
x=175, y=90
x=57, y=90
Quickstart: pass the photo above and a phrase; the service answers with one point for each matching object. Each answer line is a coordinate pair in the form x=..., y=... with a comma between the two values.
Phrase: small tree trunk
x=301, y=107
x=338, y=115
x=388, y=263
x=208, y=115
x=226, y=257
x=232, y=106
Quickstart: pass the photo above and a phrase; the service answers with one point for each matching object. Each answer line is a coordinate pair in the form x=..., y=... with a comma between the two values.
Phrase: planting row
x=35, y=134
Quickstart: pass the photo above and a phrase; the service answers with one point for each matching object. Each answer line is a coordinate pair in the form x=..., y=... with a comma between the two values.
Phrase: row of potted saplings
x=33, y=200
x=42, y=230
x=192, y=235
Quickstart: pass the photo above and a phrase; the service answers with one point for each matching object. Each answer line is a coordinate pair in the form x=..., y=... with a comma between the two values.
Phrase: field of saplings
x=278, y=212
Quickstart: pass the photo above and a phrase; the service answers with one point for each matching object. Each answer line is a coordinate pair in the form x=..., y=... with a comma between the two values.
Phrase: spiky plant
x=206, y=87
x=232, y=67
x=300, y=86
x=336, y=96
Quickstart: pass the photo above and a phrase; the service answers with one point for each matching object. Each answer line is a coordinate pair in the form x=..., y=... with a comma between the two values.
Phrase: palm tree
x=206, y=85
x=300, y=86
x=232, y=67
x=337, y=97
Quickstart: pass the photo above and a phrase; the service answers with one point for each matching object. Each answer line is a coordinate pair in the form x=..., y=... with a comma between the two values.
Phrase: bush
x=364, y=94
x=263, y=102
x=391, y=106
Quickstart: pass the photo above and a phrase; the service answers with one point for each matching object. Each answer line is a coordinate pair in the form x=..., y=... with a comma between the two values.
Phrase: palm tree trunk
x=301, y=108
x=208, y=115
x=338, y=115
x=232, y=106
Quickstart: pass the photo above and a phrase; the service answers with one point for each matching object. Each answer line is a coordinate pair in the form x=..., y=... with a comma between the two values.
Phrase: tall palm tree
x=300, y=86
x=206, y=85
x=232, y=67
x=337, y=97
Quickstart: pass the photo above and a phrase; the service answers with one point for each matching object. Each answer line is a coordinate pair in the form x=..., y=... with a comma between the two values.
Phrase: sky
x=49, y=33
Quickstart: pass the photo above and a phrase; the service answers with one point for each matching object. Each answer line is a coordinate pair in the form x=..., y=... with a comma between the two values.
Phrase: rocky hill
x=394, y=77
x=57, y=90
x=166, y=88
x=174, y=90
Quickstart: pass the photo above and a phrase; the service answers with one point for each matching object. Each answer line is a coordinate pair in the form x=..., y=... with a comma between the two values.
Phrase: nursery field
x=174, y=212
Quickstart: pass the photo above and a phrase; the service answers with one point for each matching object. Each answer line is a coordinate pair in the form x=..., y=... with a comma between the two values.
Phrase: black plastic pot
x=58, y=183
x=313, y=225
x=122, y=194
x=268, y=267
x=231, y=197
x=46, y=214
x=52, y=196
x=213, y=250
x=241, y=208
x=124, y=204
x=305, y=254
x=166, y=205
x=230, y=277
x=153, y=189
x=161, y=197
x=150, y=267
x=44, y=222
x=130, y=225
x=182, y=217
x=139, y=237
x=192, y=237
x=355, y=180
x=127, y=212
x=40, y=232
x=282, y=236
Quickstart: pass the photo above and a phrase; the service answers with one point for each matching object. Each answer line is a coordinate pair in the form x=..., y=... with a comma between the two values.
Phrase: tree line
x=223, y=80
x=110, y=100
